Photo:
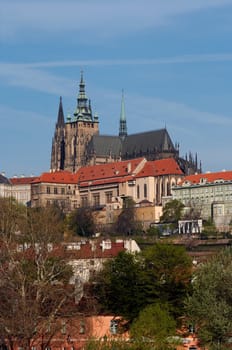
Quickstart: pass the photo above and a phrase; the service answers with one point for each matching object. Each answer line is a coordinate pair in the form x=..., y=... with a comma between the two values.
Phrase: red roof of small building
x=64, y=177
x=167, y=166
x=95, y=250
x=22, y=180
x=209, y=177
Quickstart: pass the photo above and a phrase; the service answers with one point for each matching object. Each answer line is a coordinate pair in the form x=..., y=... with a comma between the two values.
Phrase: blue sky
x=172, y=58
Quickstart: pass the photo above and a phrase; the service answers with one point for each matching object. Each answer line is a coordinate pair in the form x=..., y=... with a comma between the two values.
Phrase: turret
x=83, y=110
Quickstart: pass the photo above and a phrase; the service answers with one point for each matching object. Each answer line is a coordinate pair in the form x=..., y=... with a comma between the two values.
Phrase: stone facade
x=72, y=137
x=210, y=195
x=58, y=188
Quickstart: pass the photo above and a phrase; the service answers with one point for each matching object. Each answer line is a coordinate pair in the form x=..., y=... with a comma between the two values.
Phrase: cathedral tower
x=71, y=137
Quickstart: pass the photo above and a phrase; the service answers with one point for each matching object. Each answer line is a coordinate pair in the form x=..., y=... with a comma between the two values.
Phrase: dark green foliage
x=169, y=270
x=81, y=221
x=129, y=283
x=172, y=212
x=153, y=232
x=209, y=229
x=120, y=286
x=210, y=306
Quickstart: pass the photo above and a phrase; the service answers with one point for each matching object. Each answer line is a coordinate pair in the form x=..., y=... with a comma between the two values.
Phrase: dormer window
x=203, y=180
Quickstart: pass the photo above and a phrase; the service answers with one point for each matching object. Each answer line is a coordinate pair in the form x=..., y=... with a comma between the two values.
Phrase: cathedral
x=77, y=141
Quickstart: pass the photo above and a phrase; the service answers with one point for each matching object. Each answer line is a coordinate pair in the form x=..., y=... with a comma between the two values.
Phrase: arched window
x=168, y=189
x=145, y=190
x=138, y=194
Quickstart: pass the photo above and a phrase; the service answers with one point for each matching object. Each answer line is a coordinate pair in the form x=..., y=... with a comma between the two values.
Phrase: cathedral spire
x=60, y=118
x=123, y=127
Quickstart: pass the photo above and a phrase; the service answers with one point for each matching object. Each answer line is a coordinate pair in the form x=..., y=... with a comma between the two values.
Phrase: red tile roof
x=96, y=250
x=22, y=180
x=110, y=172
x=210, y=177
x=166, y=166
x=64, y=177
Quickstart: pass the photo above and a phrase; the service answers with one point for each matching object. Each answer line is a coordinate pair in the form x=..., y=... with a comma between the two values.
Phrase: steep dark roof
x=4, y=180
x=135, y=145
x=104, y=145
x=150, y=141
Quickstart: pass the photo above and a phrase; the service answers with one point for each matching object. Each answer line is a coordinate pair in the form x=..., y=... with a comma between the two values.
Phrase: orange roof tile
x=64, y=177
x=160, y=167
x=210, y=177
x=108, y=171
x=22, y=180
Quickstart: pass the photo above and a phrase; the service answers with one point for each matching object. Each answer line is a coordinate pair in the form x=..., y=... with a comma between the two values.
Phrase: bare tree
x=34, y=278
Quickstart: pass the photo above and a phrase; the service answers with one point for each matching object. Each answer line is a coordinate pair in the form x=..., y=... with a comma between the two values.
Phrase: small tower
x=123, y=127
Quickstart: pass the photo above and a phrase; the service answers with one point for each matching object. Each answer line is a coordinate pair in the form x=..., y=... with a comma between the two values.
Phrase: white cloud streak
x=35, y=75
x=198, y=58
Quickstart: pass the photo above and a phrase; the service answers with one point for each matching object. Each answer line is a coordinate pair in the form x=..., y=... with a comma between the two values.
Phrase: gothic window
x=145, y=190
x=73, y=146
x=163, y=189
x=138, y=194
x=168, y=189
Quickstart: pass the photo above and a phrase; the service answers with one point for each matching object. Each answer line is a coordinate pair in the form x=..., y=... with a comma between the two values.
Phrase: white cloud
x=102, y=18
x=31, y=78
x=35, y=76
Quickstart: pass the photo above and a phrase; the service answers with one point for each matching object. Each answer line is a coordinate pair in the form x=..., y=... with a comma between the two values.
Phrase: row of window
x=56, y=190
x=144, y=191
x=96, y=199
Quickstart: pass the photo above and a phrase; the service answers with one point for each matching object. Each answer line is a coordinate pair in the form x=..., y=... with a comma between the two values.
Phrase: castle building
x=77, y=141
x=209, y=195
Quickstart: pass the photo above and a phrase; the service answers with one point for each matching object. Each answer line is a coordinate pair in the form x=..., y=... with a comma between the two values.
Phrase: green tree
x=172, y=212
x=126, y=222
x=129, y=282
x=209, y=229
x=119, y=286
x=154, y=324
x=210, y=305
x=169, y=269
x=12, y=217
x=81, y=222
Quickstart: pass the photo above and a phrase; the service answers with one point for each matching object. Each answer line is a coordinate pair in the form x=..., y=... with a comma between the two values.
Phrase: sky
x=172, y=59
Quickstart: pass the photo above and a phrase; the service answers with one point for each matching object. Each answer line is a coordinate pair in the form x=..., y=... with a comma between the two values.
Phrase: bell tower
x=71, y=137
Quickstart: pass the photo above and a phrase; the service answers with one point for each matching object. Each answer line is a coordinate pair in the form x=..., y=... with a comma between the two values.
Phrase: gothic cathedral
x=77, y=141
